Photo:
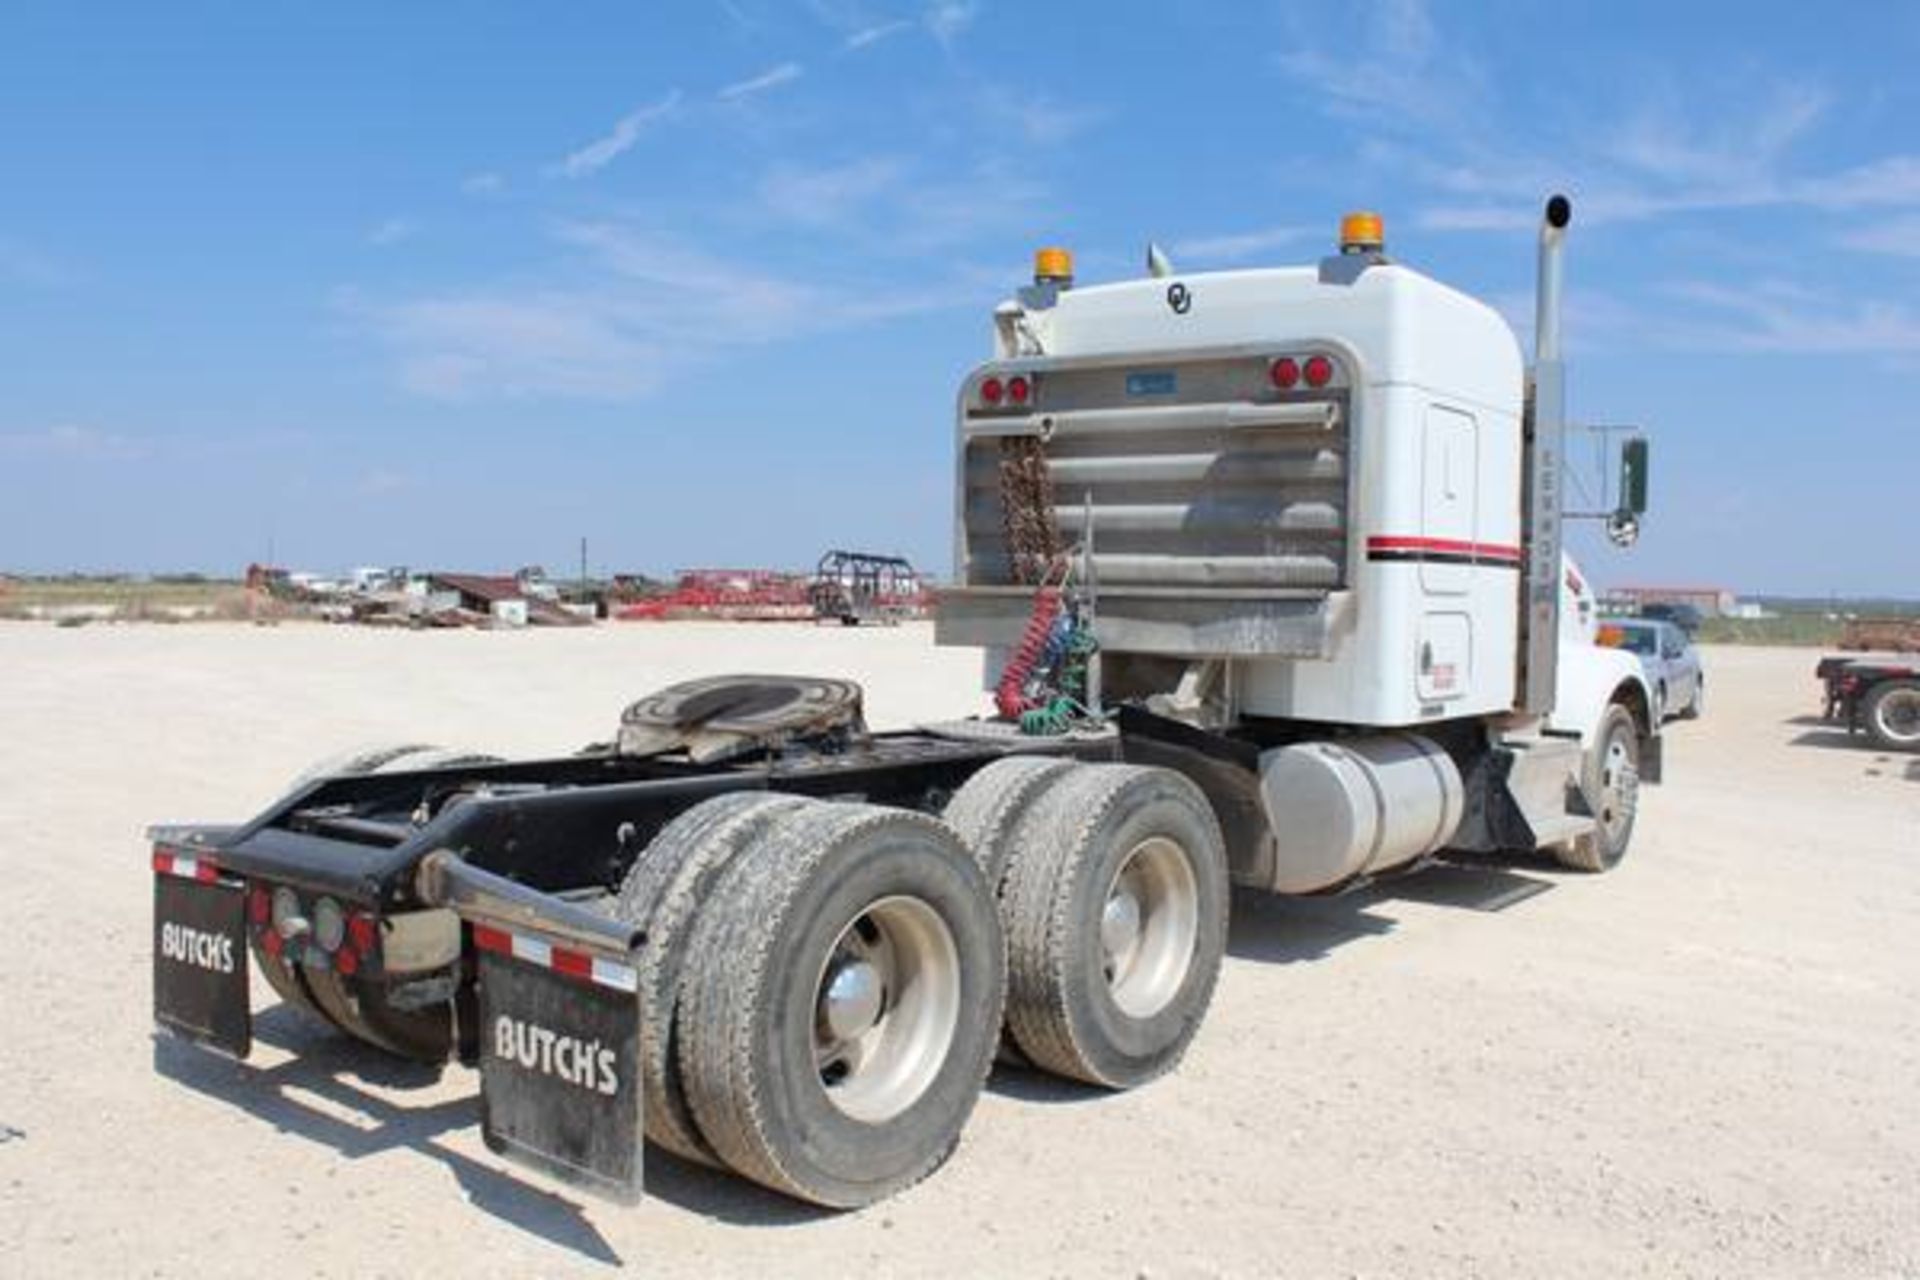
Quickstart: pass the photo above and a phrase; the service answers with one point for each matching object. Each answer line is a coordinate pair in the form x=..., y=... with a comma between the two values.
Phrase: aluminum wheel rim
x=1619, y=786
x=1899, y=715
x=886, y=1008
x=1149, y=925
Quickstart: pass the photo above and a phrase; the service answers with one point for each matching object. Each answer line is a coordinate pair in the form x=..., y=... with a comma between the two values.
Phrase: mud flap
x=559, y=1040
x=200, y=961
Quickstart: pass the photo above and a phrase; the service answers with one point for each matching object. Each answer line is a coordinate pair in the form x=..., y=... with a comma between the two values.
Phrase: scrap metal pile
x=735, y=595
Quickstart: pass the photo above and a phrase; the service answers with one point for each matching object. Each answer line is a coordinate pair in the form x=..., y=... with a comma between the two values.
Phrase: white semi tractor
x=1269, y=565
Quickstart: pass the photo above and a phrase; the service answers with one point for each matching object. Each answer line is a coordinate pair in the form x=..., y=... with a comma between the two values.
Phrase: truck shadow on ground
x=348, y=1116
x=1833, y=736
x=1271, y=929
x=1285, y=930
x=357, y=1122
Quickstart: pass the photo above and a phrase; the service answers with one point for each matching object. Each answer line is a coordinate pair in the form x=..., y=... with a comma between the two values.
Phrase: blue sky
x=459, y=284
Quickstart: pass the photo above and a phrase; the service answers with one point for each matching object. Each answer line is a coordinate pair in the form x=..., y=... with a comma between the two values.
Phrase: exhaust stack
x=1546, y=438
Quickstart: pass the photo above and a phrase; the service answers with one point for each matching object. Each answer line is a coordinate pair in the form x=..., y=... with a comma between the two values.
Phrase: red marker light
x=1285, y=373
x=259, y=905
x=992, y=391
x=346, y=962
x=1319, y=371
x=360, y=930
x=1018, y=389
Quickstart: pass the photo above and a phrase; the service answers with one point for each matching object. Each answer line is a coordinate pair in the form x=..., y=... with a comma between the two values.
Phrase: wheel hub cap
x=886, y=1008
x=1149, y=926
x=1120, y=926
x=852, y=1000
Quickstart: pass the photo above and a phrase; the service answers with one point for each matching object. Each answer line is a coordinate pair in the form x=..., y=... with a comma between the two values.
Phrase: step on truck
x=1267, y=568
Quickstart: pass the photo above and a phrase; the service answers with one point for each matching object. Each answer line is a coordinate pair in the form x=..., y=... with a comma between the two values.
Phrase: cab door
x=1448, y=513
x=1448, y=502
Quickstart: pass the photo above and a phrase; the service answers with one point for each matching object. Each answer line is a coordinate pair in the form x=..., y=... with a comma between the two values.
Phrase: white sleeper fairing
x=1359, y=565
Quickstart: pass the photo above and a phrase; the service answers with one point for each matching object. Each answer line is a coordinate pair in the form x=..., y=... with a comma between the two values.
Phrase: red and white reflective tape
x=179, y=864
x=574, y=964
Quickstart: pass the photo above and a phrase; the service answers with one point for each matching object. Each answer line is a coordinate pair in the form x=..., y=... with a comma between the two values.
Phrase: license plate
x=1154, y=382
x=200, y=962
x=560, y=1067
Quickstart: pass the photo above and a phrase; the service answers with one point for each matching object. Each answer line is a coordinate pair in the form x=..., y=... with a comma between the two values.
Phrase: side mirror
x=1633, y=476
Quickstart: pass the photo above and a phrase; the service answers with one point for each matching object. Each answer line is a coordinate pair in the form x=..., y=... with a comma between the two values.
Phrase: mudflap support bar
x=558, y=1027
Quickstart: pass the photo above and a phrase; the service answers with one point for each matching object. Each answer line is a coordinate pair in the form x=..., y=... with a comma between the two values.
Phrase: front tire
x=1611, y=785
x=1892, y=715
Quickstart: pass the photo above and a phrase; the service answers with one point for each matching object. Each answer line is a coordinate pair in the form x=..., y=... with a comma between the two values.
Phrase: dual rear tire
x=824, y=984
x=1113, y=888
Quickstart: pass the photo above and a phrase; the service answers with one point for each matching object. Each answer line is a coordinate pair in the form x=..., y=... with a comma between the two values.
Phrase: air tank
x=1356, y=806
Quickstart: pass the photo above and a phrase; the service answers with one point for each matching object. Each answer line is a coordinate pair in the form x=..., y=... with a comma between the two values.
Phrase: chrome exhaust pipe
x=1546, y=445
x=1546, y=315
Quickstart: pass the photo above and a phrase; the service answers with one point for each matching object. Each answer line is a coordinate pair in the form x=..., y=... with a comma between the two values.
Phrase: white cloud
x=1397, y=77
x=1781, y=316
x=830, y=197
x=949, y=19
x=517, y=345
x=1672, y=143
x=654, y=307
x=23, y=264
x=1428, y=110
x=70, y=440
x=382, y=480
x=874, y=34
x=488, y=183
x=391, y=232
x=785, y=73
x=1036, y=118
x=1240, y=246
x=739, y=17
x=1901, y=238
x=601, y=152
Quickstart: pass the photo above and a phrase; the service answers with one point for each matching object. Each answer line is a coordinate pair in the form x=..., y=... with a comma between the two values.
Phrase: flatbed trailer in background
x=1875, y=694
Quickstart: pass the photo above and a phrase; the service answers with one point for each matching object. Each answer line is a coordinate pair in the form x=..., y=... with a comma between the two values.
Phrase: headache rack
x=1215, y=505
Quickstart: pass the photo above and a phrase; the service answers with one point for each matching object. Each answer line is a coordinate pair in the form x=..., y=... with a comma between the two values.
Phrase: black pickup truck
x=1878, y=695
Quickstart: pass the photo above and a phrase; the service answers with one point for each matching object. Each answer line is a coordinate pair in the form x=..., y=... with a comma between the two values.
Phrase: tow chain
x=1026, y=507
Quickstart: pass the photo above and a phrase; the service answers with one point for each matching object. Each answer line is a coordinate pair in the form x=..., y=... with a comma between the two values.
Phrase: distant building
x=1712, y=602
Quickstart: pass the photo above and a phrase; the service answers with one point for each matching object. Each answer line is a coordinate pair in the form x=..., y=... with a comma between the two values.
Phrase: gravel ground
x=1702, y=1064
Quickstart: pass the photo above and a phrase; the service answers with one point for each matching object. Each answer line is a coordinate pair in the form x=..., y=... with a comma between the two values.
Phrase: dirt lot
x=1703, y=1064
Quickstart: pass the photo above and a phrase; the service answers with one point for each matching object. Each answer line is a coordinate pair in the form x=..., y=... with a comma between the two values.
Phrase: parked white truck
x=1269, y=565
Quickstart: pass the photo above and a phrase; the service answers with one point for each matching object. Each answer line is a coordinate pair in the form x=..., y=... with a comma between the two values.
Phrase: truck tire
x=1611, y=784
x=986, y=809
x=361, y=1009
x=842, y=997
x=386, y=758
x=1115, y=902
x=357, y=1007
x=663, y=894
x=1698, y=702
x=1892, y=715
x=355, y=761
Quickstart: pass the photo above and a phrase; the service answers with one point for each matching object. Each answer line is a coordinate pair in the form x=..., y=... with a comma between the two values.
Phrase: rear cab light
x=1002, y=391
x=1305, y=372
